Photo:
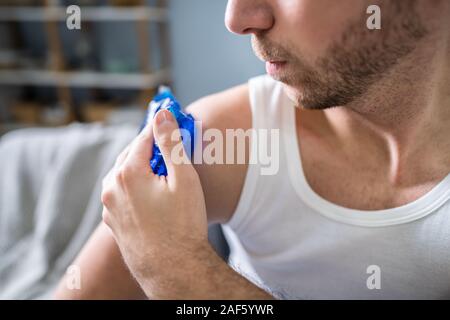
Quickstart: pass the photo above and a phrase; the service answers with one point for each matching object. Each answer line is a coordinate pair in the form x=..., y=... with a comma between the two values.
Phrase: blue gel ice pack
x=166, y=101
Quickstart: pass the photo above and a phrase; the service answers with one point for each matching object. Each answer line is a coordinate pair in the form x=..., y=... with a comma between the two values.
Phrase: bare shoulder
x=222, y=183
x=227, y=109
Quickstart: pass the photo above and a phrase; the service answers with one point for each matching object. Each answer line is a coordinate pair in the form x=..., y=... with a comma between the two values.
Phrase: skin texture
x=343, y=71
x=104, y=272
x=148, y=214
x=378, y=116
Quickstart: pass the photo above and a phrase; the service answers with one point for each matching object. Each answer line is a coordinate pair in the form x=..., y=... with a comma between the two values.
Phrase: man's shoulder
x=229, y=109
x=222, y=183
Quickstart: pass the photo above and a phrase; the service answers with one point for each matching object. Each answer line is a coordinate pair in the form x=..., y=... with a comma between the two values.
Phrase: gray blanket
x=50, y=184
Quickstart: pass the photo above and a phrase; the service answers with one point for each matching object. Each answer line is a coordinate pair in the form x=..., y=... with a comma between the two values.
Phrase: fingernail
x=163, y=117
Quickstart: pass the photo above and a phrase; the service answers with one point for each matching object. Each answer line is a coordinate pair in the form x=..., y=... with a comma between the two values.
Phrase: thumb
x=168, y=138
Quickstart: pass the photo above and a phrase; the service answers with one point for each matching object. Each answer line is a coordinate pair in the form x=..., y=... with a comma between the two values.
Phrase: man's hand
x=163, y=241
x=156, y=221
x=160, y=223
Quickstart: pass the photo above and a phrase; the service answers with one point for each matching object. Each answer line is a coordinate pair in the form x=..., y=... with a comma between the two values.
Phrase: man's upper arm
x=222, y=183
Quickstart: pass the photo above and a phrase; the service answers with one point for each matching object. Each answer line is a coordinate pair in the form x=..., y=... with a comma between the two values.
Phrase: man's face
x=322, y=50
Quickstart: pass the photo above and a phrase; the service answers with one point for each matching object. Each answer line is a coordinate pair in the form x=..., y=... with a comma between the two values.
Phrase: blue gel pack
x=164, y=100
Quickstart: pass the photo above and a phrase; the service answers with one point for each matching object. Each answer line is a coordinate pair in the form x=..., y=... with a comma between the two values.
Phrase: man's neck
x=406, y=117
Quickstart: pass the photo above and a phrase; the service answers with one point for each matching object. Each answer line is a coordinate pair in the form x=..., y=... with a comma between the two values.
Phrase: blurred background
x=71, y=100
x=108, y=70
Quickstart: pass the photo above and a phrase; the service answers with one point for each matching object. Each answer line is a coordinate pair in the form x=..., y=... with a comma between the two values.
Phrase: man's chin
x=297, y=97
x=292, y=93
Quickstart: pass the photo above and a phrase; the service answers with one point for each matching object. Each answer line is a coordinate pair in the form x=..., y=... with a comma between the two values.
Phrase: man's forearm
x=104, y=274
x=198, y=275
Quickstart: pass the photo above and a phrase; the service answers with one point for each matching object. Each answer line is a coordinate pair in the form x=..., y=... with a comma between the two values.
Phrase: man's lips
x=275, y=67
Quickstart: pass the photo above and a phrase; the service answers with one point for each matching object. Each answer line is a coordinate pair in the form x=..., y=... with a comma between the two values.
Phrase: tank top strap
x=270, y=109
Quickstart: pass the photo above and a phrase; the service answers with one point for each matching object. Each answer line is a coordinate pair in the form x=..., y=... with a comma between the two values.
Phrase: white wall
x=207, y=58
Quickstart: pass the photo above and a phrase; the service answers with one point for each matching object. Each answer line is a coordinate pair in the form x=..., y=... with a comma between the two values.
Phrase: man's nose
x=248, y=16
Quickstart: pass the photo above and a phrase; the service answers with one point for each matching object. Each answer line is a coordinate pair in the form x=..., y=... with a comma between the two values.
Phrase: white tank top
x=300, y=246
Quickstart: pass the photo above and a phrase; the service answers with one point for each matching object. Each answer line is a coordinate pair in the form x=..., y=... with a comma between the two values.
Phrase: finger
x=119, y=161
x=168, y=138
x=109, y=222
x=108, y=178
x=122, y=156
x=106, y=217
x=140, y=150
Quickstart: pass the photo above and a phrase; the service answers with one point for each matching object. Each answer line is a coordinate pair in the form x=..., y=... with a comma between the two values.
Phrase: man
x=360, y=205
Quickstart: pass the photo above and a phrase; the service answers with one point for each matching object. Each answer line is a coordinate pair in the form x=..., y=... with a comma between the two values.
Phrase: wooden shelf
x=85, y=79
x=56, y=13
x=58, y=73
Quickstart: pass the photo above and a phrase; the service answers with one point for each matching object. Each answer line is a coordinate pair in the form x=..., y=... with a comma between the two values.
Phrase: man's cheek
x=312, y=26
